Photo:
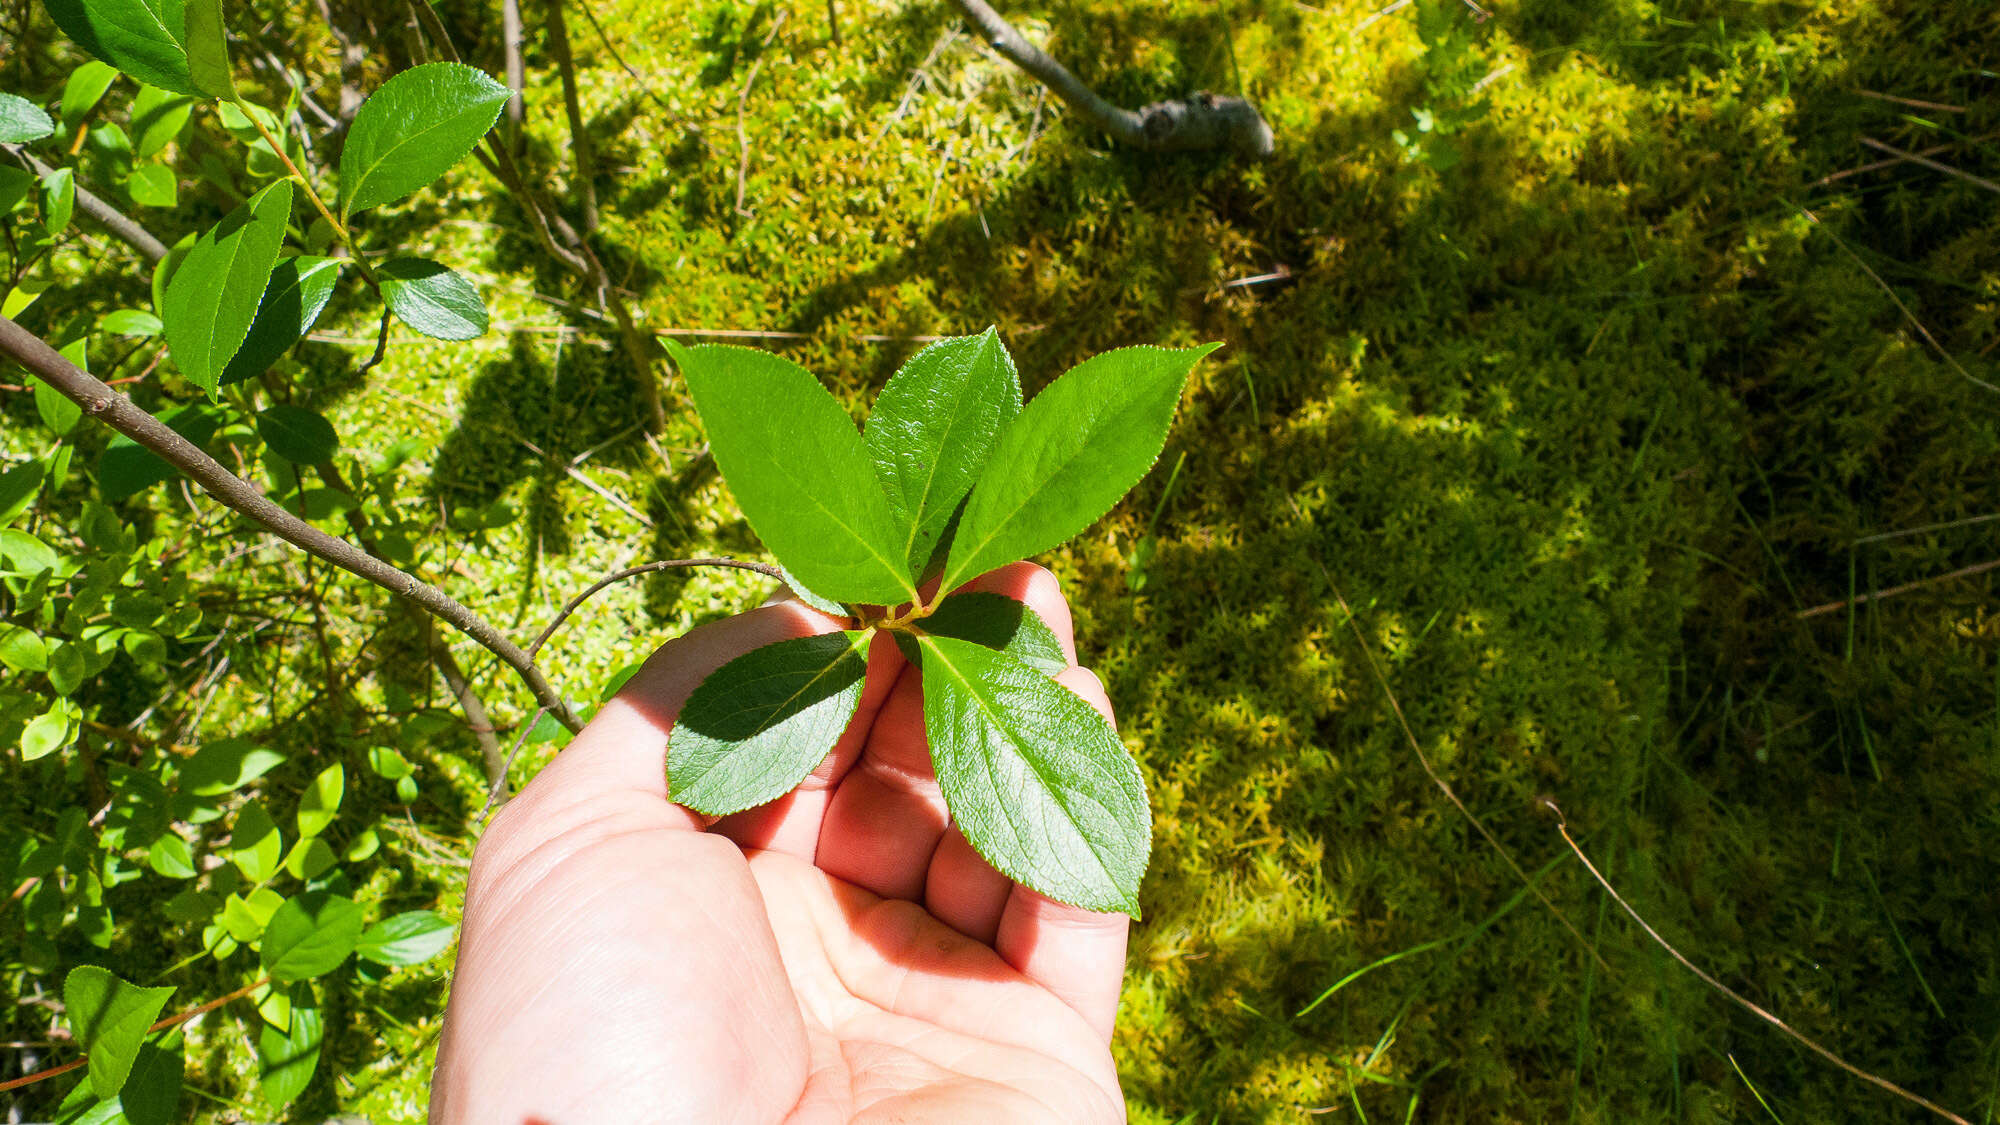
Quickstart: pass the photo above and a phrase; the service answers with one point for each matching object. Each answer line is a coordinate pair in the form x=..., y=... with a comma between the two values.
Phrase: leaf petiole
x=339, y=228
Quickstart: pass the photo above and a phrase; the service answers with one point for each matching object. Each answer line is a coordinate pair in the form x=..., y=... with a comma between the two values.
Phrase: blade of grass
x=1897, y=933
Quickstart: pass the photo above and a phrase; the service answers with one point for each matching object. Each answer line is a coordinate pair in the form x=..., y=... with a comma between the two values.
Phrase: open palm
x=841, y=954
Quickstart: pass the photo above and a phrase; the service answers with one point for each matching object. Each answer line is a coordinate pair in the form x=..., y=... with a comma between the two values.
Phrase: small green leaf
x=45, y=734
x=18, y=486
x=130, y=322
x=412, y=130
x=1035, y=777
x=432, y=298
x=224, y=766
x=23, y=649
x=213, y=296
x=300, y=436
x=799, y=471
x=22, y=121
x=298, y=292
x=311, y=935
x=934, y=426
x=15, y=184
x=171, y=856
x=998, y=622
x=255, y=845
x=110, y=1017
x=389, y=764
x=321, y=802
x=143, y=38
x=68, y=667
x=58, y=189
x=85, y=88
x=153, y=185
x=286, y=1060
x=760, y=723
x=310, y=858
x=824, y=605
x=157, y=118
x=406, y=939
x=1080, y=446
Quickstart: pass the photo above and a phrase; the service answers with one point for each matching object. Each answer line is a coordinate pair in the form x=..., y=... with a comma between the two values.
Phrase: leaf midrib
x=1033, y=767
x=845, y=652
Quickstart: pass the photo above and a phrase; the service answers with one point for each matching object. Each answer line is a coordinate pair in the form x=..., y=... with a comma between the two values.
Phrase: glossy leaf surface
x=1078, y=447
x=934, y=426
x=413, y=130
x=296, y=294
x=311, y=935
x=1034, y=776
x=799, y=471
x=432, y=298
x=213, y=297
x=22, y=121
x=110, y=1017
x=999, y=622
x=757, y=725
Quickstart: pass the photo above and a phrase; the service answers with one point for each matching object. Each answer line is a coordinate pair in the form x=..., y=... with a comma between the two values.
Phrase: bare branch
x=579, y=136
x=1204, y=121
x=118, y=412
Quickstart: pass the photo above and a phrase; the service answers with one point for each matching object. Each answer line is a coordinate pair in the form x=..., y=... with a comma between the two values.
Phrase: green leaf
x=1079, y=447
x=23, y=649
x=300, y=436
x=207, y=45
x=45, y=734
x=224, y=766
x=412, y=130
x=255, y=845
x=406, y=939
x=310, y=858
x=213, y=296
x=143, y=38
x=998, y=622
x=760, y=723
x=799, y=471
x=286, y=1060
x=298, y=292
x=933, y=428
x=58, y=199
x=128, y=468
x=85, y=88
x=110, y=1017
x=157, y=118
x=152, y=1093
x=15, y=184
x=153, y=185
x=18, y=486
x=130, y=322
x=1035, y=777
x=171, y=856
x=68, y=667
x=824, y=605
x=22, y=121
x=432, y=298
x=321, y=802
x=311, y=935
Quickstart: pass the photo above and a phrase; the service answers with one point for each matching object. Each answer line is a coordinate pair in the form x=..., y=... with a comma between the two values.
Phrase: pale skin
x=839, y=955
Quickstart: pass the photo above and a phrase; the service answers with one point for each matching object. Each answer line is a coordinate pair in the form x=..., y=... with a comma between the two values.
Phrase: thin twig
x=584, y=7
x=498, y=785
x=1903, y=308
x=118, y=412
x=114, y=220
x=1933, y=165
x=170, y=1021
x=517, y=74
x=1878, y=595
x=1562, y=826
x=570, y=607
x=579, y=135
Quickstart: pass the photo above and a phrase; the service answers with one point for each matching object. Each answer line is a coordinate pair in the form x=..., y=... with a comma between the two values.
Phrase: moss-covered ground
x=1578, y=399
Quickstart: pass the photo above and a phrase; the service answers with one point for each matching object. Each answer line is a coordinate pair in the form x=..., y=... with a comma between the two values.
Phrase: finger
x=1036, y=588
x=887, y=815
x=963, y=891
x=1077, y=954
x=791, y=824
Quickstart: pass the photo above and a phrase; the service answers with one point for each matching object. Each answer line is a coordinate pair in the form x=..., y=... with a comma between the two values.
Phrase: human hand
x=841, y=954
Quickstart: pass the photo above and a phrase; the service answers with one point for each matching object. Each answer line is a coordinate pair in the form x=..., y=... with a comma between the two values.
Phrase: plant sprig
x=952, y=477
